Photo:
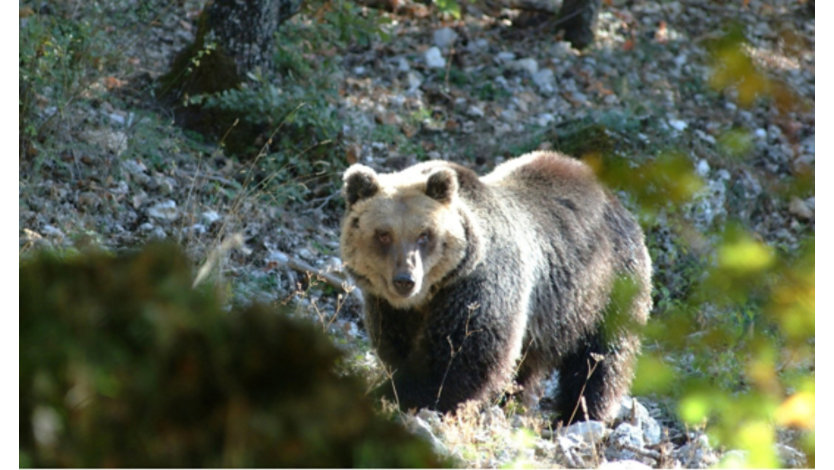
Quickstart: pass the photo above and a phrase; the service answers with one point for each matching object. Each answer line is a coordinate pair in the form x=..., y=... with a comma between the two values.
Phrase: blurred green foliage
x=60, y=57
x=122, y=364
x=735, y=348
x=730, y=345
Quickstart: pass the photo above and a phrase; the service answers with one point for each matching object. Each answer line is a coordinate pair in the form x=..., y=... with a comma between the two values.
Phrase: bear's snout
x=404, y=283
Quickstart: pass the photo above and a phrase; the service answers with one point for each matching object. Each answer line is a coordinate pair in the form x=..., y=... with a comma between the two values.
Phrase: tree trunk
x=579, y=18
x=234, y=38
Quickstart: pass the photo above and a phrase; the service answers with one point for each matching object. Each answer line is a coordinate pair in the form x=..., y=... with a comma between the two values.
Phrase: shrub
x=123, y=364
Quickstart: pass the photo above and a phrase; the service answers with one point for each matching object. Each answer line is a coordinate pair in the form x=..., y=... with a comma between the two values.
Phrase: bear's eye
x=424, y=238
x=383, y=237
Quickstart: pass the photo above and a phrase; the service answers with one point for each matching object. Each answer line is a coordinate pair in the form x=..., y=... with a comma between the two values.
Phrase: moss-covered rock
x=123, y=364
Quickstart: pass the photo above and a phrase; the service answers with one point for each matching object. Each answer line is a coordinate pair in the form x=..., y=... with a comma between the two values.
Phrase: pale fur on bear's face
x=402, y=232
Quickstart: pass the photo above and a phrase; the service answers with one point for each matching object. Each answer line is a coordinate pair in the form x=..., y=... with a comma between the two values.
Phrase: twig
x=298, y=265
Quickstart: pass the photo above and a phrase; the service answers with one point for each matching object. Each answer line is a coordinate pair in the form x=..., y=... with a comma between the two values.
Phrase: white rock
x=402, y=64
x=509, y=115
x=704, y=136
x=51, y=231
x=678, y=124
x=702, y=169
x=624, y=465
x=159, y=233
x=562, y=49
x=633, y=412
x=444, y=37
x=198, y=229
x=116, y=118
x=111, y=141
x=624, y=438
x=545, y=80
x=120, y=189
x=586, y=431
x=478, y=44
x=696, y=454
x=210, y=217
x=166, y=211
x=734, y=459
x=46, y=425
x=545, y=119
x=505, y=56
x=434, y=59
x=475, y=111
x=420, y=427
x=790, y=457
x=528, y=64
x=414, y=80
x=800, y=208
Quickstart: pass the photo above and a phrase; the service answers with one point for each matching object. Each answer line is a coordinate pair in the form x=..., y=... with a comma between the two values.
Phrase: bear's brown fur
x=469, y=282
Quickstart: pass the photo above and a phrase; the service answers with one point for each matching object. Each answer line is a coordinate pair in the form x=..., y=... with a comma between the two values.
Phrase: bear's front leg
x=466, y=350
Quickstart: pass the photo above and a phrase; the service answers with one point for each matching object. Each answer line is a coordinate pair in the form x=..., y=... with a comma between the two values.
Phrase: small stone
x=402, y=64
x=504, y=57
x=627, y=464
x=444, y=37
x=800, y=208
x=120, y=189
x=545, y=81
x=159, y=233
x=420, y=427
x=164, y=211
x=51, y=231
x=414, y=80
x=587, y=431
x=705, y=137
x=545, y=119
x=434, y=59
x=562, y=49
x=89, y=200
x=678, y=125
x=478, y=45
x=621, y=442
x=210, y=217
x=697, y=453
x=114, y=142
x=702, y=169
x=527, y=64
x=633, y=412
x=475, y=111
x=139, y=199
x=790, y=457
x=117, y=118
x=734, y=459
x=509, y=115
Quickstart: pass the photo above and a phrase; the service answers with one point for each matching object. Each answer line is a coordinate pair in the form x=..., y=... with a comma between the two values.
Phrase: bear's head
x=402, y=232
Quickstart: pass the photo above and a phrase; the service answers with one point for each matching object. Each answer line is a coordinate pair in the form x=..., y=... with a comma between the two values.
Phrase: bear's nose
x=403, y=283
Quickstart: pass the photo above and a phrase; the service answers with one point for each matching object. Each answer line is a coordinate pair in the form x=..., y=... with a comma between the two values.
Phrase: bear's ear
x=442, y=185
x=360, y=183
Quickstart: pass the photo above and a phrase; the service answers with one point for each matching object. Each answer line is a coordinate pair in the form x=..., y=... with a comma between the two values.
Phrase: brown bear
x=469, y=282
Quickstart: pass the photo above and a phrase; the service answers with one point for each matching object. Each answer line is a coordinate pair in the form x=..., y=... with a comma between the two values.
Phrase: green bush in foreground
x=123, y=364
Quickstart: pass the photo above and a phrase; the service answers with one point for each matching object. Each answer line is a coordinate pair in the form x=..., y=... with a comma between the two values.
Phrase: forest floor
x=107, y=167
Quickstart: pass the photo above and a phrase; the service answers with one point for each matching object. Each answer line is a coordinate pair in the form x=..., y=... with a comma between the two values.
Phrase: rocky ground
x=116, y=173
